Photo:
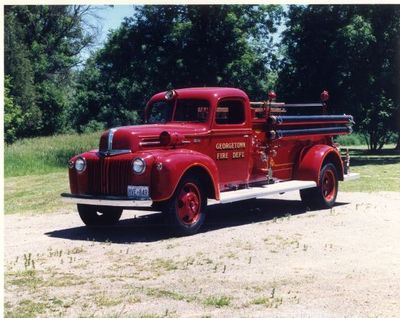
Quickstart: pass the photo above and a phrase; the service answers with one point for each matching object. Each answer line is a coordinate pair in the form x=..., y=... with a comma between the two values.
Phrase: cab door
x=231, y=142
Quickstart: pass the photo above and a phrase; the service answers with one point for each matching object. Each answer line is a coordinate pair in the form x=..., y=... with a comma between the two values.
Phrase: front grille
x=108, y=176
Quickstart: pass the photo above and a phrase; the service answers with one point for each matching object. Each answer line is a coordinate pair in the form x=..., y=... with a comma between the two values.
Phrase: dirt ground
x=261, y=258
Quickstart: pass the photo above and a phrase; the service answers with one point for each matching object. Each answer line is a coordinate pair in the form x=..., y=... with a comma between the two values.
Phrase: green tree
x=353, y=52
x=163, y=47
x=42, y=46
x=13, y=117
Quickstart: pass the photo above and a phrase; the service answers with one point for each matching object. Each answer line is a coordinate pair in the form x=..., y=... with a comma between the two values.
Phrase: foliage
x=42, y=45
x=13, y=117
x=355, y=139
x=353, y=52
x=164, y=47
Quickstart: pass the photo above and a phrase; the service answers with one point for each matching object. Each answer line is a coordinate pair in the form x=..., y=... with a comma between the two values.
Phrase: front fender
x=311, y=160
x=175, y=163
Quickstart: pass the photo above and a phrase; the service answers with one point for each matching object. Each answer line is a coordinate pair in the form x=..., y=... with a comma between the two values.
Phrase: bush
x=355, y=139
x=13, y=116
x=93, y=126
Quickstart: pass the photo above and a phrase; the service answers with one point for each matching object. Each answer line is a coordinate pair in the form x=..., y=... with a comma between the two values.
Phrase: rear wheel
x=185, y=211
x=324, y=195
x=93, y=215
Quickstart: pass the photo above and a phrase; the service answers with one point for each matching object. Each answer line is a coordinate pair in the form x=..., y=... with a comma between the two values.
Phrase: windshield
x=187, y=110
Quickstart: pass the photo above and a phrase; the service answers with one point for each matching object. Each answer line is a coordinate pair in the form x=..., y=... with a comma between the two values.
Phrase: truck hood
x=134, y=137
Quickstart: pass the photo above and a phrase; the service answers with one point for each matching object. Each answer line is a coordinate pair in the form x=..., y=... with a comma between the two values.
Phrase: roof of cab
x=206, y=93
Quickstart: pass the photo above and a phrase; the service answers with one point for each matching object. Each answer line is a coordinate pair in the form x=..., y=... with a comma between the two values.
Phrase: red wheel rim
x=329, y=185
x=189, y=204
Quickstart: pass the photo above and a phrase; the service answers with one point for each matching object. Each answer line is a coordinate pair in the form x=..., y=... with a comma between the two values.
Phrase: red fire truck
x=204, y=146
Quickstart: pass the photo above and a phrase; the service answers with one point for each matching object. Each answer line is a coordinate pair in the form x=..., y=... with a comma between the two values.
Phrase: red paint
x=189, y=204
x=311, y=159
x=328, y=185
x=324, y=96
x=271, y=96
x=227, y=147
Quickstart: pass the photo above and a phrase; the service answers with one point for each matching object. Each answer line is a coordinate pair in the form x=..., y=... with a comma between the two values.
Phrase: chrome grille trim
x=108, y=177
x=110, y=138
x=109, y=153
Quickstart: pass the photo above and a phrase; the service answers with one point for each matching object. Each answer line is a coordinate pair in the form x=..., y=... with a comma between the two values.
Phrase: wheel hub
x=328, y=185
x=189, y=204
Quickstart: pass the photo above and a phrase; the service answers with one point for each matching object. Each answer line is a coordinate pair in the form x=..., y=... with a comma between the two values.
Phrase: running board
x=266, y=190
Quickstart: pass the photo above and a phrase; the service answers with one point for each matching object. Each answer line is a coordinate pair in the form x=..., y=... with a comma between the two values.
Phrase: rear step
x=351, y=176
x=256, y=192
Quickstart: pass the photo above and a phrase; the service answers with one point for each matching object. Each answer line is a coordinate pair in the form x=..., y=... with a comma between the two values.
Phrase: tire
x=324, y=195
x=185, y=211
x=93, y=215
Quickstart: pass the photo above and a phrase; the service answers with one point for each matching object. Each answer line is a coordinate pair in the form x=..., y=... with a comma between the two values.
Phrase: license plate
x=138, y=192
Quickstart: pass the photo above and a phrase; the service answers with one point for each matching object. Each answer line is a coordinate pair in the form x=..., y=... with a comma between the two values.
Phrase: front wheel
x=93, y=215
x=324, y=195
x=185, y=211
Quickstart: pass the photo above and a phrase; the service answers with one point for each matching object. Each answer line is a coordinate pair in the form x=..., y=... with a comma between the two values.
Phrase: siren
x=171, y=139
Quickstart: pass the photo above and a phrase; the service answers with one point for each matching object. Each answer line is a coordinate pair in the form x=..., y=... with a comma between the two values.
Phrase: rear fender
x=175, y=164
x=313, y=158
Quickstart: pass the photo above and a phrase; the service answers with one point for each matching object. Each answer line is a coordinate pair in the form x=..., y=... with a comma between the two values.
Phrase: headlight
x=138, y=166
x=80, y=164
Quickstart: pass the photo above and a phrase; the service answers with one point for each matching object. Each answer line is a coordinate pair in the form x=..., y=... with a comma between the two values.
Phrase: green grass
x=27, y=308
x=163, y=293
x=43, y=155
x=217, y=301
x=378, y=171
x=269, y=302
x=28, y=279
x=35, y=194
x=103, y=300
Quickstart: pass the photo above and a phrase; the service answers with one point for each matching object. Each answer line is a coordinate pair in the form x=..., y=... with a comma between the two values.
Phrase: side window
x=192, y=110
x=230, y=112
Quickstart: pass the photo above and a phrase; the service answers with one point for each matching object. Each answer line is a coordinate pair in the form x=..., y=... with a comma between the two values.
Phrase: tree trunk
x=398, y=142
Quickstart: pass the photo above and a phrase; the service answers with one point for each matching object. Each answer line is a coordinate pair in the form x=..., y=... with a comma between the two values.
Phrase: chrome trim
x=157, y=143
x=149, y=143
x=115, y=152
x=84, y=167
x=110, y=152
x=110, y=138
x=108, y=201
x=144, y=164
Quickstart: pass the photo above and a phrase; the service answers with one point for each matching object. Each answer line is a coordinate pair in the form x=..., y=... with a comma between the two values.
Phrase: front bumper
x=105, y=200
